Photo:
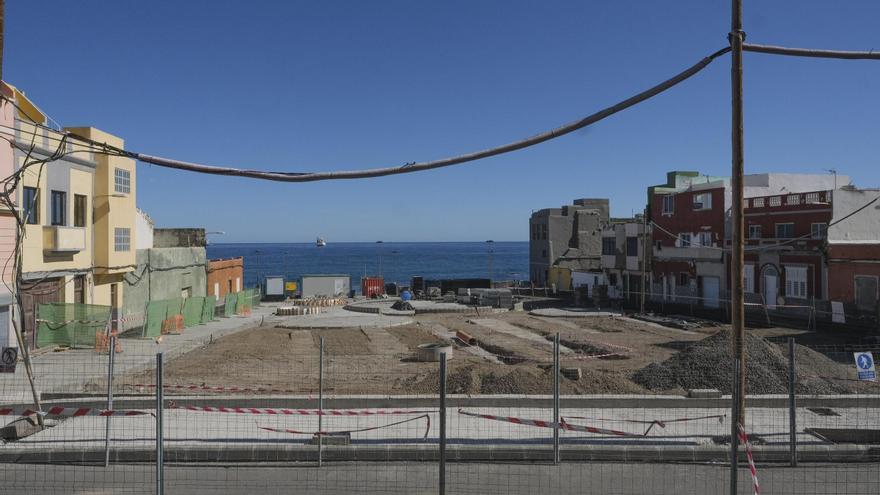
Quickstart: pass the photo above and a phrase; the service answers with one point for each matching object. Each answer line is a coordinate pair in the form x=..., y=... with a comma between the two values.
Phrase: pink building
x=7, y=222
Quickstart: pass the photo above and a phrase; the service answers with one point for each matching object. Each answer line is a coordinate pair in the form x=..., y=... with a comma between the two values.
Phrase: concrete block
x=24, y=427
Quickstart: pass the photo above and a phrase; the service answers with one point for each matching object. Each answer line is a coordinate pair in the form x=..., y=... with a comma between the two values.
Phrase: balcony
x=62, y=239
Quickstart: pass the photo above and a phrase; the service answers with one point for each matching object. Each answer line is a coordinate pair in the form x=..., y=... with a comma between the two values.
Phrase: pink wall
x=7, y=222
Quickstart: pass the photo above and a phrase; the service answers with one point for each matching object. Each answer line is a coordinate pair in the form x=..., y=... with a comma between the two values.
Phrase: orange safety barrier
x=102, y=342
x=172, y=325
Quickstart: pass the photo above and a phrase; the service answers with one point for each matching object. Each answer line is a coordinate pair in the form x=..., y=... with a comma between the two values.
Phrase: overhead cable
x=421, y=166
x=809, y=52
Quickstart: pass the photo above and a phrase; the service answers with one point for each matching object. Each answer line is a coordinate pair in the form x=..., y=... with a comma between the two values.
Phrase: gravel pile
x=402, y=306
x=709, y=364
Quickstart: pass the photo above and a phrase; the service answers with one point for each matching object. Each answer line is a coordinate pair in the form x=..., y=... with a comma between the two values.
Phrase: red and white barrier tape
x=70, y=412
x=426, y=417
x=651, y=423
x=744, y=439
x=297, y=412
x=208, y=388
x=549, y=424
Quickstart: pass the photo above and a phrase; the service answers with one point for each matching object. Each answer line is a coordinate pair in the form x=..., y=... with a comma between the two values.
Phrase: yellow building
x=79, y=213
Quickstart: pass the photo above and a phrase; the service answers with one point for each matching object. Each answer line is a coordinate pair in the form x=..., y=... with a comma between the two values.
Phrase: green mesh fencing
x=156, y=311
x=192, y=311
x=229, y=309
x=175, y=307
x=208, y=308
x=241, y=301
x=255, y=298
x=72, y=325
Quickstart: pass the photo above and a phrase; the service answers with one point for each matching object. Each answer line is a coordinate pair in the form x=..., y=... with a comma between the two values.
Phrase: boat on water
x=321, y=242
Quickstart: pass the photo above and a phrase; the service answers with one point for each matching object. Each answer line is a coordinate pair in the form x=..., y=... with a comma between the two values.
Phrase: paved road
x=421, y=478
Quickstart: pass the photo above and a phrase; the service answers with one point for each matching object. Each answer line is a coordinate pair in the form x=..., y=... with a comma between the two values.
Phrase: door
x=32, y=295
x=114, y=305
x=770, y=286
x=866, y=293
x=79, y=292
x=711, y=288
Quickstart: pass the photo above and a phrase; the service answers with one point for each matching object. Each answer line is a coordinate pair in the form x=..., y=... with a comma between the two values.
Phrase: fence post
x=734, y=434
x=556, y=399
x=792, y=403
x=442, y=480
x=111, y=353
x=321, y=402
x=160, y=406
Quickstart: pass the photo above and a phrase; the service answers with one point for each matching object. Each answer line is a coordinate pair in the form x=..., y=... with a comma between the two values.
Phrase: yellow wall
x=36, y=237
x=112, y=210
x=559, y=276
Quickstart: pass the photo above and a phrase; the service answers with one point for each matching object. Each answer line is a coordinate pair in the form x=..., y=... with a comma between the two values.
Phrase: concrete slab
x=341, y=318
x=521, y=333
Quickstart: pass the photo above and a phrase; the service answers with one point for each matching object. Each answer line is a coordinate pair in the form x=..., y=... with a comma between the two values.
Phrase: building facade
x=225, y=277
x=571, y=232
x=77, y=242
x=853, y=252
x=624, y=245
x=8, y=229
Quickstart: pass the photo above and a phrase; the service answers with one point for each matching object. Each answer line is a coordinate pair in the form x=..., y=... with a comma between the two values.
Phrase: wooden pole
x=644, y=257
x=737, y=327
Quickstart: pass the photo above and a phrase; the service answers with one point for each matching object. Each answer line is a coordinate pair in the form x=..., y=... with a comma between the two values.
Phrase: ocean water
x=396, y=261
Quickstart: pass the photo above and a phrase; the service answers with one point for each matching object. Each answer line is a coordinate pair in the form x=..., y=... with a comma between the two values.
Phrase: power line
x=809, y=52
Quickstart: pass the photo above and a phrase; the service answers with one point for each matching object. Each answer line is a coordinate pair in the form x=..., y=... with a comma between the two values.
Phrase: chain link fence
x=251, y=405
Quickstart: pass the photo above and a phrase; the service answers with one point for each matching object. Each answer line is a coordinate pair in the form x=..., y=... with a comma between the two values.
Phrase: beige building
x=79, y=211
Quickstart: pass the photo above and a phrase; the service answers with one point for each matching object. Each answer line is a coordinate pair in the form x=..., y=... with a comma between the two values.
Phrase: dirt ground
x=513, y=355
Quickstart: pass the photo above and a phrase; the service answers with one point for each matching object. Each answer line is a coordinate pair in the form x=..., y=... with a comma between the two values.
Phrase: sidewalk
x=73, y=369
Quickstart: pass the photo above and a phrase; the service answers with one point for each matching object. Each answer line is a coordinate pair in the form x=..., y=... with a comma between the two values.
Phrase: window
x=684, y=239
x=122, y=239
x=612, y=279
x=122, y=181
x=796, y=282
x=31, y=206
x=544, y=231
x=776, y=201
x=79, y=210
x=632, y=246
x=683, y=279
x=59, y=208
x=669, y=204
x=704, y=239
x=819, y=230
x=703, y=201
x=543, y=253
x=609, y=246
x=754, y=231
x=758, y=203
x=749, y=278
x=866, y=292
x=812, y=198
x=793, y=199
x=784, y=230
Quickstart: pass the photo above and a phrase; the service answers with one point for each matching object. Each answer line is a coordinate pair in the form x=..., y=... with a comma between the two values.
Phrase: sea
x=395, y=261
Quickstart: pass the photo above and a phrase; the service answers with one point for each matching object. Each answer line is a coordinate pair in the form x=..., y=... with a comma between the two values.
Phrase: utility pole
x=737, y=328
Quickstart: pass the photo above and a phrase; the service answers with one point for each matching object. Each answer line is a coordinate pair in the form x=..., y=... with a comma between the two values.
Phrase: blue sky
x=304, y=86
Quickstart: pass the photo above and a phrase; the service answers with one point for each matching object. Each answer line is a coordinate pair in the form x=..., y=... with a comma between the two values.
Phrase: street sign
x=8, y=359
x=865, y=366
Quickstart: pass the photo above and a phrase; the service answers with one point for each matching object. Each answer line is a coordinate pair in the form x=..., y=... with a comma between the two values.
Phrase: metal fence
x=325, y=416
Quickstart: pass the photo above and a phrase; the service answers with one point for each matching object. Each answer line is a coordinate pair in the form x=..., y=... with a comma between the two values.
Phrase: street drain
x=823, y=411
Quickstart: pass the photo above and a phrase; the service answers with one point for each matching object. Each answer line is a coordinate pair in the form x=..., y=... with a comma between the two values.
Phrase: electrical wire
x=809, y=52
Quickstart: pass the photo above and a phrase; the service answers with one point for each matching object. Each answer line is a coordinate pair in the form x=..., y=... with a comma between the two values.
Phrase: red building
x=784, y=257
x=853, y=254
x=225, y=276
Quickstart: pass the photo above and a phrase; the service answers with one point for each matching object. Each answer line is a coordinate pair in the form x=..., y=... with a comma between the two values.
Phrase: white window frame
x=796, y=281
x=818, y=235
x=793, y=199
x=122, y=180
x=758, y=203
x=704, y=239
x=685, y=243
x=703, y=201
x=669, y=204
x=749, y=278
x=758, y=227
x=776, y=230
x=775, y=201
x=121, y=239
